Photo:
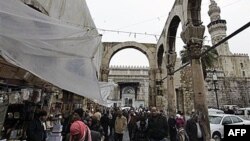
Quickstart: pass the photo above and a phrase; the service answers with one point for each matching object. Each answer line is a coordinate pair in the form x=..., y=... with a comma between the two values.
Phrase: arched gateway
x=186, y=12
x=162, y=58
x=110, y=48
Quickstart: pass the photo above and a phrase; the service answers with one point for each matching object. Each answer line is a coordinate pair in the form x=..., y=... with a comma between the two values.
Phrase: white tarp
x=106, y=89
x=54, y=50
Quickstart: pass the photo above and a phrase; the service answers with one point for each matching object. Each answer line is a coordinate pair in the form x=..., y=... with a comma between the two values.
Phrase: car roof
x=221, y=115
x=246, y=108
x=212, y=109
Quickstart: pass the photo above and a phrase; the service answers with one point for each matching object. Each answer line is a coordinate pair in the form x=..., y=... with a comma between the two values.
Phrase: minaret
x=217, y=28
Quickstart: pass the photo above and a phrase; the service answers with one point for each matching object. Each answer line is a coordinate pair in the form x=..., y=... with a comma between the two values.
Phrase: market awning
x=51, y=48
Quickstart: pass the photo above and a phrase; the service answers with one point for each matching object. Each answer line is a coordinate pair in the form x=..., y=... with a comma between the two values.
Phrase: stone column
x=192, y=36
x=152, y=91
x=158, y=90
x=170, y=83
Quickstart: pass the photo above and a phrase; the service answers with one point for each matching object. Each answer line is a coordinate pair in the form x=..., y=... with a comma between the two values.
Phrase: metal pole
x=216, y=45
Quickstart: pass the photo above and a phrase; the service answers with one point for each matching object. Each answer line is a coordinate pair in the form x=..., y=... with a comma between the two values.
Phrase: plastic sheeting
x=52, y=49
x=106, y=89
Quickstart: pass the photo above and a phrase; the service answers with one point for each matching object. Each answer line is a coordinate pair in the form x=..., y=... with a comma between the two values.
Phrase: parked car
x=230, y=107
x=217, y=122
x=243, y=113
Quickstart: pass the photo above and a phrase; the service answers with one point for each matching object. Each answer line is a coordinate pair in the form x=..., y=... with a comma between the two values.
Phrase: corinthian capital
x=170, y=63
x=193, y=34
x=193, y=37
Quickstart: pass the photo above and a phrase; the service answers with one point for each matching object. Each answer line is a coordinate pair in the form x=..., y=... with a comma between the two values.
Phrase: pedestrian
x=157, y=126
x=194, y=129
x=179, y=121
x=36, y=130
x=120, y=126
x=181, y=133
x=112, y=118
x=79, y=131
x=172, y=128
x=141, y=130
x=98, y=114
x=95, y=125
x=105, y=124
x=132, y=119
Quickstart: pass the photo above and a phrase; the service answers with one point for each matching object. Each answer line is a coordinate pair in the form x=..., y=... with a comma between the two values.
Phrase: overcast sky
x=112, y=17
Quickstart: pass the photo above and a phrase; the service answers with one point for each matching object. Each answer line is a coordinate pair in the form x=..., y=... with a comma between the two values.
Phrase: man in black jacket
x=172, y=128
x=157, y=126
x=194, y=129
x=36, y=130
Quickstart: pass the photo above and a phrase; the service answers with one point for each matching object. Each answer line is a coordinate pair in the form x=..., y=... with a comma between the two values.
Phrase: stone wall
x=230, y=90
x=187, y=91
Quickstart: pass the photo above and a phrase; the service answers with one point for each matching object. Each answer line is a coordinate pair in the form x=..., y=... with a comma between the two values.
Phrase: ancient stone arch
x=186, y=12
x=111, y=48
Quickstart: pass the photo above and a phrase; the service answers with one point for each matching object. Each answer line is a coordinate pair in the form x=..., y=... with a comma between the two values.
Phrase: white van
x=243, y=112
x=229, y=107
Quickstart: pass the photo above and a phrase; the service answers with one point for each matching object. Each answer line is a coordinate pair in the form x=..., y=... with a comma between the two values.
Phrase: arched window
x=128, y=90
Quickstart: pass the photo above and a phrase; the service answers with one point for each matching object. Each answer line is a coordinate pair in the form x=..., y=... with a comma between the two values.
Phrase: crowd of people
x=110, y=125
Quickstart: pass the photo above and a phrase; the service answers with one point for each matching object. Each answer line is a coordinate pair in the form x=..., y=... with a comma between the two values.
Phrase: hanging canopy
x=106, y=89
x=52, y=47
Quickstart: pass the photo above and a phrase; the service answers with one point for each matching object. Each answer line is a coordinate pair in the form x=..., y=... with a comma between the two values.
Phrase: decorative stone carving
x=193, y=34
x=171, y=62
x=193, y=37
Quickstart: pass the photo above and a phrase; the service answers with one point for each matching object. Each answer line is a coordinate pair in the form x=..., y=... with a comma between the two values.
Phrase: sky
x=125, y=20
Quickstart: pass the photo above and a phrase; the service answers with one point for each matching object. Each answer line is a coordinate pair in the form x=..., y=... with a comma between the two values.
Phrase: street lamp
x=215, y=79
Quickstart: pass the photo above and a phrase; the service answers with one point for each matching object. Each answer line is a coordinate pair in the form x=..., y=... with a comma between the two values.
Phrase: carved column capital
x=193, y=37
x=194, y=50
x=193, y=34
x=171, y=59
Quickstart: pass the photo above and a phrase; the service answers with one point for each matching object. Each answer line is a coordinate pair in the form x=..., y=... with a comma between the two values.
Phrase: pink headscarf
x=78, y=127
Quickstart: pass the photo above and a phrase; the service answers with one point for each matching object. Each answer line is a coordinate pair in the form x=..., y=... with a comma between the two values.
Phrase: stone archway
x=186, y=12
x=111, y=48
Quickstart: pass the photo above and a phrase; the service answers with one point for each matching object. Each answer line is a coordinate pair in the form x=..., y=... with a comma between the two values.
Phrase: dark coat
x=141, y=131
x=157, y=127
x=35, y=131
x=191, y=129
x=95, y=135
x=172, y=129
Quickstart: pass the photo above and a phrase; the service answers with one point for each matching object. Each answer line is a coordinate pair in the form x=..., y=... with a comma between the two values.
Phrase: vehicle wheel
x=217, y=137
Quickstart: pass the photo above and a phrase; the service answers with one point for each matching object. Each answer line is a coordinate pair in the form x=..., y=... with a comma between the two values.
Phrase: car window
x=248, y=112
x=215, y=119
x=240, y=112
x=236, y=119
x=227, y=120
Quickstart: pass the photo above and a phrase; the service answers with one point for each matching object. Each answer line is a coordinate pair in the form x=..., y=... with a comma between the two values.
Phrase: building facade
x=132, y=88
x=229, y=82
